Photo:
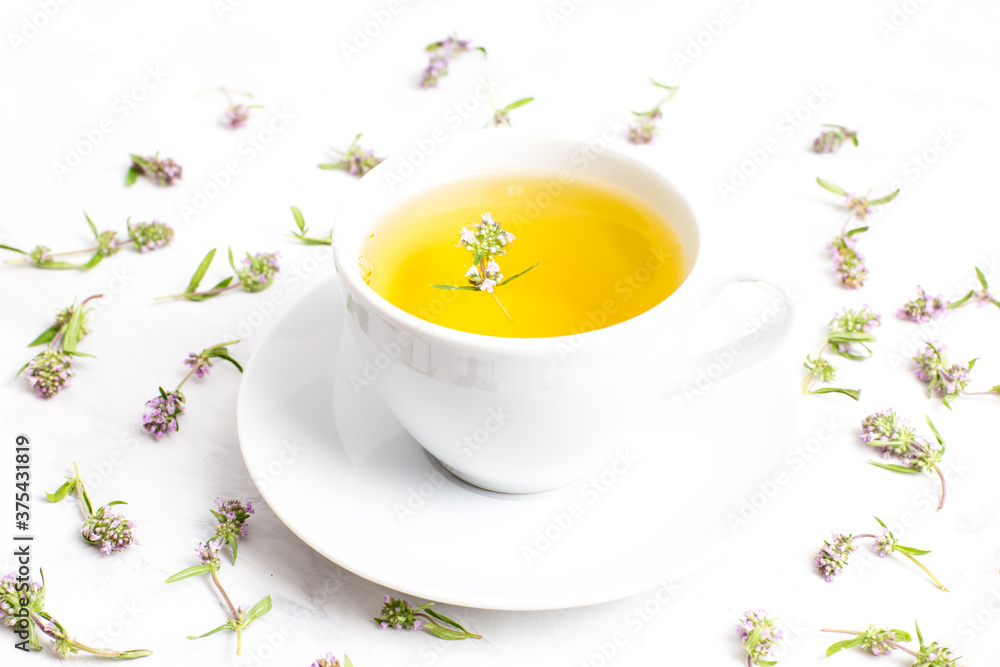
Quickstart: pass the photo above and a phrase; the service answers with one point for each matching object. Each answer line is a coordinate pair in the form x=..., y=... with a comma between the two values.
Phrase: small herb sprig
x=162, y=172
x=759, y=636
x=22, y=608
x=145, y=236
x=926, y=307
x=944, y=379
x=256, y=274
x=441, y=54
x=644, y=129
x=237, y=114
x=303, y=232
x=833, y=556
x=50, y=370
x=849, y=264
x=399, y=614
x=232, y=516
x=487, y=240
x=850, y=332
x=356, y=161
x=881, y=641
x=831, y=139
x=501, y=117
x=894, y=436
x=101, y=527
x=330, y=660
x=165, y=410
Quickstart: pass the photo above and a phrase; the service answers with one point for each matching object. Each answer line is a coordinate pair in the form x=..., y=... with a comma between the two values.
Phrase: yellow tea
x=600, y=256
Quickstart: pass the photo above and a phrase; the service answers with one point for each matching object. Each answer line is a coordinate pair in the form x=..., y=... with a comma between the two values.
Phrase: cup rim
x=346, y=267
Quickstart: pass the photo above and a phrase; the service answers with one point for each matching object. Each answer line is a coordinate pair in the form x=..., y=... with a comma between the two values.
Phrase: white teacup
x=523, y=414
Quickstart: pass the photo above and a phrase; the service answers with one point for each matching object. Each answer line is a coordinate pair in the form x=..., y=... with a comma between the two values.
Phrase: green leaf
x=62, y=491
x=920, y=637
x=193, y=571
x=331, y=165
x=59, y=265
x=75, y=353
x=434, y=46
x=853, y=393
x=21, y=370
x=468, y=287
x=93, y=261
x=857, y=230
x=662, y=85
x=481, y=48
x=519, y=103
x=910, y=550
x=219, y=285
x=200, y=272
x=131, y=177
x=231, y=263
x=832, y=187
x=131, y=654
x=300, y=221
x=518, y=275
x=225, y=626
x=445, y=633
x=982, y=279
x=847, y=643
x=902, y=635
x=854, y=138
x=117, y=502
x=93, y=227
x=881, y=523
x=233, y=544
x=956, y=304
x=442, y=617
x=884, y=200
x=7, y=247
x=222, y=354
x=894, y=468
x=74, y=330
x=347, y=662
x=937, y=435
x=851, y=336
x=257, y=611
x=46, y=336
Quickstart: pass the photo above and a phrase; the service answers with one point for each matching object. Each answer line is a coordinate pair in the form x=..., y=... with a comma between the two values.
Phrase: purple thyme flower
x=11, y=595
x=200, y=362
x=49, y=371
x=859, y=206
x=40, y=255
x=850, y=321
x=149, y=236
x=888, y=431
x=236, y=116
x=108, y=243
x=848, y=262
x=441, y=54
x=163, y=172
x=830, y=140
x=924, y=308
x=232, y=516
x=258, y=272
x=833, y=556
x=113, y=532
x=885, y=544
x=398, y=614
x=944, y=379
x=758, y=634
x=329, y=661
x=876, y=640
x=935, y=655
x=208, y=552
x=164, y=411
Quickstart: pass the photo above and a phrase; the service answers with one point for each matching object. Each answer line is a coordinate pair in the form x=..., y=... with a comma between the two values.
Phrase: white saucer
x=340, y=472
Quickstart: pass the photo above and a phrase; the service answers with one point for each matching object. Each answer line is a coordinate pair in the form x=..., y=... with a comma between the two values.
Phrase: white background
x=930, y=73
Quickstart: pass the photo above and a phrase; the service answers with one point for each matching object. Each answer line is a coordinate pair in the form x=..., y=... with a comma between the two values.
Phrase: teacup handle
x=693, y=376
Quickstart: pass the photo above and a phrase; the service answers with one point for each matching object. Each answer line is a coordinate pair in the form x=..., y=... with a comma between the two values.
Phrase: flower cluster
x=892, y=434
x=644, y=129
x=487, y=240
x=759, y=636
x=208, y=552
x=163, y=414
x=876, y=640
x=501, y=117
x=885, y=544
x=832, y=557
x=113, y=532
x=232, y=516
x=848, y=322
x=401, y=615
x=49, y=372
x=847, y=262
x=236, y=116
x=356, y=161
x=40, y=256
x=830, y=139
x=12, y=592
x=441, y=54
x=924, y=308
x=258, y=271
x=935, y=655
x=330, y=660
x=944, y=379
x=162, y=172
x=108, y=243
x=150, y=236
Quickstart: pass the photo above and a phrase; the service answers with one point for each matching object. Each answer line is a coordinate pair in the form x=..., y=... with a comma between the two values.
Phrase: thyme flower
x=830, y=139
x=848, y=262
x=943, y=378
x=759, y=636
x=850, y=333
x=330, y=660
x=924, y=308
x=874, y=640
x=101, y=527
x=643, y=129
x=401, y=615
x=256, y=273
x=162, y=172
x=833, y=556
x=356, y=161
x=441, y=54
x=49, y=372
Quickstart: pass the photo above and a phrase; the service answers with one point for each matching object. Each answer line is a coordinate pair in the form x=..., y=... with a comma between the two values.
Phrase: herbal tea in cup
x=465, y=255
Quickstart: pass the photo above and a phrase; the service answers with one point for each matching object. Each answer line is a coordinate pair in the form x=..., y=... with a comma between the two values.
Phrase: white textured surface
x=934, y=75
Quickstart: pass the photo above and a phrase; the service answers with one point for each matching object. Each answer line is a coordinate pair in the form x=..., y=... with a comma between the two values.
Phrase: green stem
x=103, y=652
x=940, y=475
x=88, y=508
x=187, y=294
x=502, y=307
